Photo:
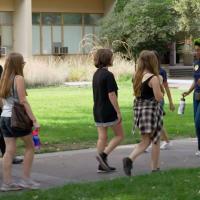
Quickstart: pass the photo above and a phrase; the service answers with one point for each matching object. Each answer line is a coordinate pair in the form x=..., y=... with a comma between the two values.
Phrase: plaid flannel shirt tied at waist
x=148, y=117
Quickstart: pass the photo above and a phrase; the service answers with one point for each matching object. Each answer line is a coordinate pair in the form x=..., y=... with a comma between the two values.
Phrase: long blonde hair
x=147, y=60
x=13, y=66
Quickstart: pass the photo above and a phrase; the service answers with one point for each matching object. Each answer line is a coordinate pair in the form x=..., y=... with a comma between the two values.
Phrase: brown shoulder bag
x=20, y=120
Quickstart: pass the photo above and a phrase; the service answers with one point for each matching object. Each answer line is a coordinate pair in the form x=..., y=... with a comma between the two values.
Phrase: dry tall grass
x=51, y=70
x=44, y=71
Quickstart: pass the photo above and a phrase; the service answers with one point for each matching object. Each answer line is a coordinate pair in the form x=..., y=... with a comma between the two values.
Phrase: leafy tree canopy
x=189, y=16
x=141, y=24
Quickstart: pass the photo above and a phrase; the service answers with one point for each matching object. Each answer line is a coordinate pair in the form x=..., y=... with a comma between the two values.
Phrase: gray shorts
x=106, y=124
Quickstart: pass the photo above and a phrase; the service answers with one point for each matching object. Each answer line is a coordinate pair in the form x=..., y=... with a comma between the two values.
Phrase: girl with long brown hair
x=147, y=109
x=12, y=88
x=16, y=160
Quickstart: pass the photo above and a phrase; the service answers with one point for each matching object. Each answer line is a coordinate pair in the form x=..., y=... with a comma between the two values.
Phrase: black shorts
x=7, y=131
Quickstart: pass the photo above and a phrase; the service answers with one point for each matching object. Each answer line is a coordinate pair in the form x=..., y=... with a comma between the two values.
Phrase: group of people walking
x=149, y=83
x=149, y=86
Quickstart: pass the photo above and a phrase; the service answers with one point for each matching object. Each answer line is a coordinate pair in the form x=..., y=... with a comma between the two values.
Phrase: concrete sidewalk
x=56, y=169
x=180, y=83
x=173, y=83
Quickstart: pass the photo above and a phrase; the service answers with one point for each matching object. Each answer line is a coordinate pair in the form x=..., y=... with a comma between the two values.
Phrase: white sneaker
x=29, y=184
x=147, y=150
x=197, y=153
x=165, y=146
x=10, y=187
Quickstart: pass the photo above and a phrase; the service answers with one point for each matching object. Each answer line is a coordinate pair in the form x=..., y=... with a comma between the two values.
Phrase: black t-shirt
x=103, y=83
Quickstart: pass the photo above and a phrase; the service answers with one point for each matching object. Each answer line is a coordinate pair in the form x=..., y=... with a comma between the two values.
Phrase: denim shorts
x=162, y=103
x=106, y=124
x=7, y=131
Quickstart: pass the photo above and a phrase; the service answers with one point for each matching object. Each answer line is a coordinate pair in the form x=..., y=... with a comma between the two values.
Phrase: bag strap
x=13, y=88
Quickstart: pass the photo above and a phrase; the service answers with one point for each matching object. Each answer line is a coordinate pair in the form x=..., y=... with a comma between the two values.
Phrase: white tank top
x=9, y=102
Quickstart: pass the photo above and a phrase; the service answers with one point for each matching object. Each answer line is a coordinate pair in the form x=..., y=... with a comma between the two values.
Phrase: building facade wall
x=71, y=6
x=23, y=31
x=6, y=5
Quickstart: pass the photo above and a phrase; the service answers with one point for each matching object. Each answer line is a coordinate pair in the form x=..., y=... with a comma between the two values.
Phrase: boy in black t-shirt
x=106, y=110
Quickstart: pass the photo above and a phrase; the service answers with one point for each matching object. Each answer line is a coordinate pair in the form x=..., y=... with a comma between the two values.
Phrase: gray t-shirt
x=9, y=102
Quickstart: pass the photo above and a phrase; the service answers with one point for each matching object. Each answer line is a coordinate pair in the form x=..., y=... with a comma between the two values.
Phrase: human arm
x=198, y=82
x=112, y=94
x=161, y=84
x=184, y=94
x=21, y=91
x=169, y=96
x=113, y=99
x=154, y=83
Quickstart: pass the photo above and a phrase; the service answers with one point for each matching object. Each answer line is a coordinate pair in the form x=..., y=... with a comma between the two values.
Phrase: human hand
x=184, y=94
x=36, y=125
x=160, y=79
x=162, y=89
x=171, y=107
x=119, y=116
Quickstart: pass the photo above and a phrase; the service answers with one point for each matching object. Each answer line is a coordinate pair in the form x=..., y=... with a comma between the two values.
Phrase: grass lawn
x=181, y=184
x=65, y=115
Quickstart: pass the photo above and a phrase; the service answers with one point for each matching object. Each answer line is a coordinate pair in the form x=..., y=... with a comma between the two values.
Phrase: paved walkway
x=55, y=169
x=180, y=83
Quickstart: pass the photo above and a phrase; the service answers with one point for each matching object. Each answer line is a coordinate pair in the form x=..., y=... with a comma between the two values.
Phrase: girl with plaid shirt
x=147, y=110
x=164, y=135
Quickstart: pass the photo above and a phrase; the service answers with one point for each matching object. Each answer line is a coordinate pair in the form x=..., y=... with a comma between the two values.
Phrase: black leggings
x=2, y=144
x=2, y=141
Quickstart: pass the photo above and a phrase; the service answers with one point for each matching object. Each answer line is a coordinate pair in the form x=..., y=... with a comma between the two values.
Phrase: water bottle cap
x=35, y=132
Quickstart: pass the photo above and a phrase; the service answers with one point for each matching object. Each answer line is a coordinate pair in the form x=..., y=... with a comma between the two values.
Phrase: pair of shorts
x=7, y=131
x=162, y=103
x=106, y=124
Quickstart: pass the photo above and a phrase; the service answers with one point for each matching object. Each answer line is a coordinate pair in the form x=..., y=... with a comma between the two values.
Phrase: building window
x=89, y=38
x=6, y=18
x=90, y=30
x=6, y=30
x=92, y=19
x=52, y=31
x=72, y=38
x=36, y=20
x=75, y=19
x=36, y=38
x=72, y=32
x=46, y=40
x=51, y=19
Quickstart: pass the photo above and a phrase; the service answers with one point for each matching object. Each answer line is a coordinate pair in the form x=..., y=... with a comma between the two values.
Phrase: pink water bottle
x=36, y=139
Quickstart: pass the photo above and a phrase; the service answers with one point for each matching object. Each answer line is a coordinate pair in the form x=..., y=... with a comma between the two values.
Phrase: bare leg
x=155, y=155
x=139, y=149
x=119, y=135
x=28, y=156
x=7, y=159
x=164, y=135
x=102, y=139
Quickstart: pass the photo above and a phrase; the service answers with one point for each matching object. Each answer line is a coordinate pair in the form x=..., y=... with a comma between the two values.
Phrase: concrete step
x=181, y=71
